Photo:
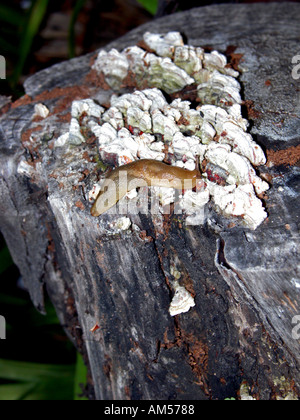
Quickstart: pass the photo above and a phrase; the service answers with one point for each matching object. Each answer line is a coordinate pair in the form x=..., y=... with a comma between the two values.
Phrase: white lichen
x=114, y=66
x=171, y=66
x=40, y=110
x=93, y=193
x=24, y=169
x=84, y=113
x=75, y=135
x=62, y=140
x=238, y=201
x=144, y=125
x=182, y=301
x=192, y=201
x=163, y=45
x=121, y=224
x=245, y=392
x=217, y=137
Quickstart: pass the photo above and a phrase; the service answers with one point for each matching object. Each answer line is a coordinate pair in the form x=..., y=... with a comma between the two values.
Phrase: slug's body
x=140, y=173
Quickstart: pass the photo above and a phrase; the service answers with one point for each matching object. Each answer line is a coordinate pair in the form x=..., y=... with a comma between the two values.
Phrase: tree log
x=242, y=334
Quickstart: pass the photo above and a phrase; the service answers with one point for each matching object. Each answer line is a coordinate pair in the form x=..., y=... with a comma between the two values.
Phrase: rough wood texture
x=246, y=284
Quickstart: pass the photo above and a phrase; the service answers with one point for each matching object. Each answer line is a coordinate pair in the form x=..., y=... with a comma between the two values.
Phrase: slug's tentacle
x=140, y=173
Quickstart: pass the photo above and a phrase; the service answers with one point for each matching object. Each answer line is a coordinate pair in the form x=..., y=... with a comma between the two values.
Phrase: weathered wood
x=246, y=284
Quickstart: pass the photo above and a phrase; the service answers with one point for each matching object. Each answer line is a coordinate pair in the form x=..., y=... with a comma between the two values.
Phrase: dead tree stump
x=242, y=335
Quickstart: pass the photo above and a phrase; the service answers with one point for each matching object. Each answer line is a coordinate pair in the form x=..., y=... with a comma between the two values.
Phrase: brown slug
x=140, y=173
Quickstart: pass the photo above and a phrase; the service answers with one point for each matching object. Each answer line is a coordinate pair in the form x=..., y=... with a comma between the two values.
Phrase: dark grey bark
x=245, y=283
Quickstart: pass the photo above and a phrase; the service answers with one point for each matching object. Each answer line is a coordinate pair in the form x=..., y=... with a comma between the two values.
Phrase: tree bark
x=241, y=335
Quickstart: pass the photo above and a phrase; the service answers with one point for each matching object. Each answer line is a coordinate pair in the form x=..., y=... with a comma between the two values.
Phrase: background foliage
x=37, y=361
x=21, y=23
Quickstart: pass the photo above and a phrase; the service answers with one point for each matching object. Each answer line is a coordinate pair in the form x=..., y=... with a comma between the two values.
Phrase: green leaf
x=13, y=392
x=36, y=381
x=39, y=320
x=11, y=300
x=71, y=40
x=26, y=371
x=5, y=259
x=7, y=47
x=35, y=17
x=11, y=16
x=80, y=377
x=149, y=5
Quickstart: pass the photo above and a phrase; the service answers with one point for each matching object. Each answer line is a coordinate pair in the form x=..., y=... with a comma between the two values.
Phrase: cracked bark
x=244, y=282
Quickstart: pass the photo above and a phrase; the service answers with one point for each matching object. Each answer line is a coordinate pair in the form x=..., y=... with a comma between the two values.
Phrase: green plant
x=149, y=5
x=5, y=259
x=35, y=381
x=21, y=27
x=32, y=24
x=41, y=381
x=71, y=41
x=37, y=361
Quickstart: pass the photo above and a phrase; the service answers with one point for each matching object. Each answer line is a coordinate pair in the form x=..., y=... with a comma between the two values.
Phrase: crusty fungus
x=142, y=129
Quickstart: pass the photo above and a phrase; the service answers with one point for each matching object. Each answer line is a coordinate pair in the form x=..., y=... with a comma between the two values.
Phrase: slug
x=140, y=173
